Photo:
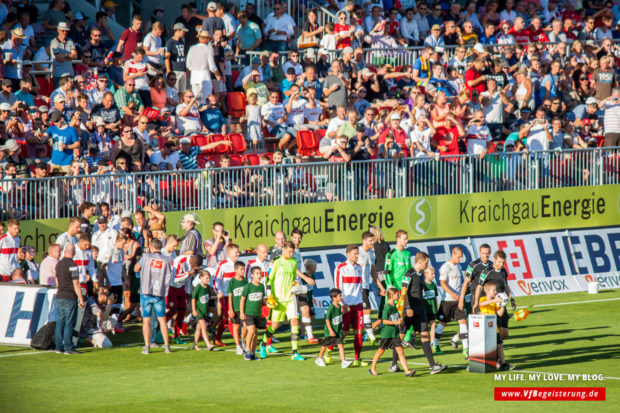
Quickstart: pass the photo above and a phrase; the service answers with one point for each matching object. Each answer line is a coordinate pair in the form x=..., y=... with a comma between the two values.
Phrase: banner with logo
x=23, y=310
x=424, y=218
x=433, y=217
x=541, y=263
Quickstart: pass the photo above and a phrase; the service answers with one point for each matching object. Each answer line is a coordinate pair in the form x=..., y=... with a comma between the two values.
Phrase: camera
x=225, y=233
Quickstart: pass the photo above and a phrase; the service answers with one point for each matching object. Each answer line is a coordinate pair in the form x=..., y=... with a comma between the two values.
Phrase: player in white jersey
x=451, y=281
x=69, y=237
x=9, y=244
x=83, y=258
x=261, y=261
x=366, y=259
x=348, y=279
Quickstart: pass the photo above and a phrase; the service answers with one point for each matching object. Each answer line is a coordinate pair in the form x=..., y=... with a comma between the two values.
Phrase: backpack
x=44, y=338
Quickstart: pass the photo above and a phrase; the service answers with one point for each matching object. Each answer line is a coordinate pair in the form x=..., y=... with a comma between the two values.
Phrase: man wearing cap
x=64, y=140
x=7, y=96
x=189, y=154
x=191, y=240
x=588, y=110
x=434, y=39
x=394, y=129
x=104, y=239
x=212, y=22
x=201, y=65
x=78, y=29
x=63, y=52
x=130, y=38
x=13, y=52
x=175, y=56
x=248, y=34
x=279, y=28
x=15, y=157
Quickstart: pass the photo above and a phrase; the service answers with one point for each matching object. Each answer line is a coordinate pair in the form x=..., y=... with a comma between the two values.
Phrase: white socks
x=307, y=321
x=368, y=326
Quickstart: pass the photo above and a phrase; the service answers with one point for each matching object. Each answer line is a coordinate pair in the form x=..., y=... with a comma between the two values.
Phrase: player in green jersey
x=200, y=308
x=397, y=261
x=251, y=306
x=282, y=285
x=235, y=288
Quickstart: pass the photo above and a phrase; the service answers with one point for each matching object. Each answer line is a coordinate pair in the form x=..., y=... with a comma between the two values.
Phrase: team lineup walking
x=272, y=291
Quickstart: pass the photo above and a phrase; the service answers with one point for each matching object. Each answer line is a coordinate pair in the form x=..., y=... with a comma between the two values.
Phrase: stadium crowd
x=124, y=269
x=230, y=88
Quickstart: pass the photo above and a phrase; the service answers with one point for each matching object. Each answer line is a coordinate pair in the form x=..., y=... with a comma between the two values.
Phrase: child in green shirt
x=390, y=337
x=200, y=308
x=235, y=289
x=333, y=329
x=250, y=308
x=430, y=304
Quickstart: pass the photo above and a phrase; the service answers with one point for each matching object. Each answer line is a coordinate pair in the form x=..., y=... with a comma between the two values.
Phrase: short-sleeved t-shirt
x=131, y=38
x=334, y=316
x=390, y=313
x=429, y=294
x=176, y=48
x=235, y=287
x=500, y=277
x=201, y=295
x=253, y=298
x=68, y=136
x=491, y=308
x=338, y=97
x=397, y=263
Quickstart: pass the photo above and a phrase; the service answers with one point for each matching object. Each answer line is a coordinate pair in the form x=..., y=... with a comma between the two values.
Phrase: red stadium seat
x=236, y=160
x=46, y=85
x=318, y=135
x=24, y=147
x=220, y=149
x=236, y=104
x=238, y=142
x=162, y=141
x=306, y=144
x=252, y=157
x=270, y=156
x=235, y=75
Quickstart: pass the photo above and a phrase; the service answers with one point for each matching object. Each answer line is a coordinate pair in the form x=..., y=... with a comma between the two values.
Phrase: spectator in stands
x=537, y=132
x=63, y=52
x=189, y=154
x=167, y=158
x=340, y=152
x=129, y=147
x=279, y=28
x=202, y=66
x=53, y=17
x=249, y=35
x=13, y=51
x=611, y=108
x=130, y=38
x=125, y=95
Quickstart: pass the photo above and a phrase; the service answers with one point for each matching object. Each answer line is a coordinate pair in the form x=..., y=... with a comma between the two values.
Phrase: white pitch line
x=571, y=302
x=26, y=354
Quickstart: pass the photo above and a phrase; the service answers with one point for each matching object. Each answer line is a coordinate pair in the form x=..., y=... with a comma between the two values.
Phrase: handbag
x=306, y=42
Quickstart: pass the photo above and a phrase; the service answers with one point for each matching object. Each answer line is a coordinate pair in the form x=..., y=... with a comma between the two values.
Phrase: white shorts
x=285, y=310
x=202, y=90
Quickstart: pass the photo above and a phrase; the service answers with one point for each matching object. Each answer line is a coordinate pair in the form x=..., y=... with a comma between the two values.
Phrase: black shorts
x=365, y=299
x=302, y=300
x=431, y=317
x=449, y=310
x=117, y=290
x=212, y=303
x=390, y=343
x=331, y=341
x=134, y=298
x=419, y=321
x=502, y=321
x=235, y=319
x=251, y=320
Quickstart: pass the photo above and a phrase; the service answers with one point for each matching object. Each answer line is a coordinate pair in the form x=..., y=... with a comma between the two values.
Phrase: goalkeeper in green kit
x=282, y=285
x=397, y=263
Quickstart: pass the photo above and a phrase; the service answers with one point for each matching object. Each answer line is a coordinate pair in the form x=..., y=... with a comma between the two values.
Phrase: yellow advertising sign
x=443, y=216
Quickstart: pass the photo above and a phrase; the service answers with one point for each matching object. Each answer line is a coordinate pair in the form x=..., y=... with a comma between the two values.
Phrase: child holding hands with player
x=235, y=289
x=333, y=329
x=250, y=308
x=390, y=338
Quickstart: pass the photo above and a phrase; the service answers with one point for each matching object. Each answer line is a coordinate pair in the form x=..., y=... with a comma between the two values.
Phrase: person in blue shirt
x=489, y=36
x=64, y=140
x=286, y=84
x=212, y=117
x=23, y=94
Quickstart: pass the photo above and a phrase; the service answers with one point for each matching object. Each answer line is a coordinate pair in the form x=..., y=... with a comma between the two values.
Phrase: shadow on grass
x=558, y=341
x=543, y=333
x=567, y=356
x=520, y=326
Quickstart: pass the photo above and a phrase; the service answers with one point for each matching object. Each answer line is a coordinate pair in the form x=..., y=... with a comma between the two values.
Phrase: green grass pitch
x=572, y=338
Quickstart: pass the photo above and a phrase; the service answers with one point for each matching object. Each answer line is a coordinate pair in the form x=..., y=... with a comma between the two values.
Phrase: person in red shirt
x=474, y=79
x=447, y=137
x=130, y=38
x=400, y=136
x=520, y=33
x=537, y=34
x=343, y=31
x=568, y=29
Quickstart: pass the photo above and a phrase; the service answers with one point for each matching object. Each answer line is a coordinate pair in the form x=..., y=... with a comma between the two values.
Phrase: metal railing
x=304, y=183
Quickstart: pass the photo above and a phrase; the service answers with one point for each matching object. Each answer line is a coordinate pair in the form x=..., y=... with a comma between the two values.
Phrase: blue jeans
x=151, y=302
x=67, y=317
